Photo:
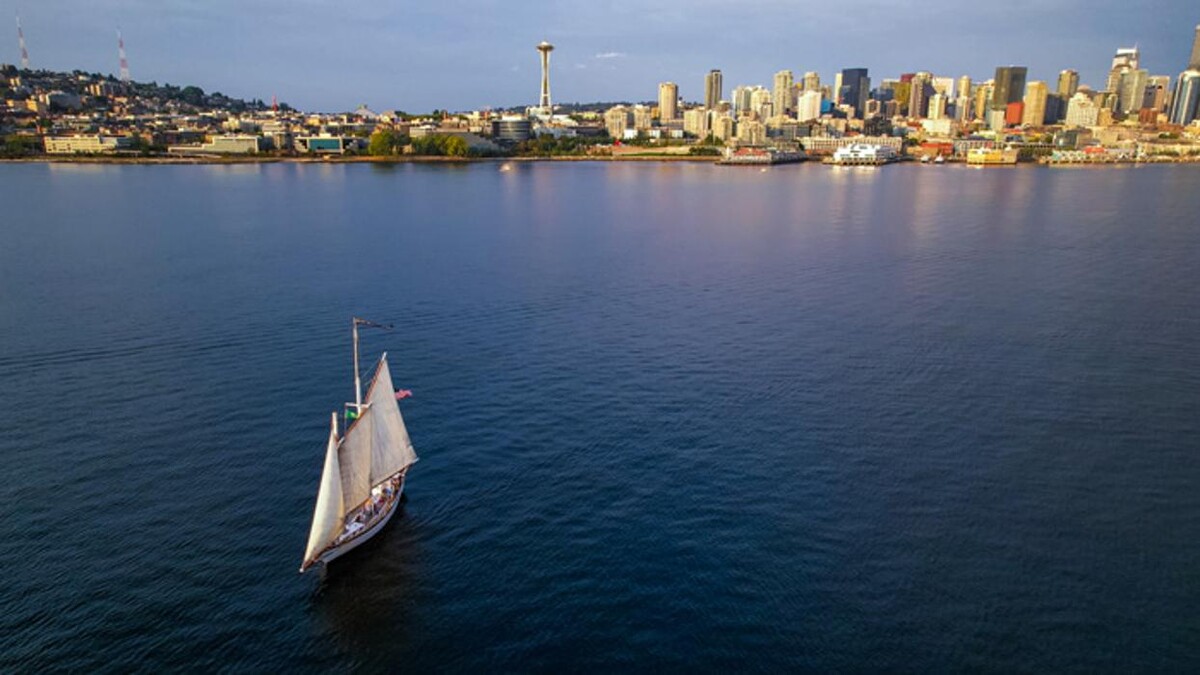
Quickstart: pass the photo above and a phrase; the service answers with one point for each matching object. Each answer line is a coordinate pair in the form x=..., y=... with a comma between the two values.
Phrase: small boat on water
x=365, y=467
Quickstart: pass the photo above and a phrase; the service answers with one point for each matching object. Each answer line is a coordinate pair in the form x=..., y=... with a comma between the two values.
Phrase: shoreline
x=358, y=159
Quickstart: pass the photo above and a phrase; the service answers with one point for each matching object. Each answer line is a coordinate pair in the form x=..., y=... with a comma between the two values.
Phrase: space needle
x=544, y=48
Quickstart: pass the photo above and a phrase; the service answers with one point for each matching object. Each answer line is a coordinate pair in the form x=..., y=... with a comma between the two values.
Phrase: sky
x=331, y=56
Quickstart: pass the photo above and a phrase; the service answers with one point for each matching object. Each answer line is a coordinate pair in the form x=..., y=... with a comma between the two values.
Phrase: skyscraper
x=544, y=48
x=1131, y=90
x=1126, y=59
x=1009, y=86
x=964, y=87
x=712, y=89
x=855, y=89
x=781, y=92
x=1158, y=90
x=1194, y=62
x=812, y=81
x=809, y=106
x=921, y=89
x=741, y=99
x=1068, y=83
x=668, y=101
x=1187, y=97
x=1036, y=94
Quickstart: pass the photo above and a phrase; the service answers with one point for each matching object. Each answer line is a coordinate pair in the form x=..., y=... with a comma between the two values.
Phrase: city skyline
x=381, y=58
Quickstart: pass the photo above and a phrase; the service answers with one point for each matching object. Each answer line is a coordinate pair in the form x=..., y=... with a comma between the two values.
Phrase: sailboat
x=365, y=467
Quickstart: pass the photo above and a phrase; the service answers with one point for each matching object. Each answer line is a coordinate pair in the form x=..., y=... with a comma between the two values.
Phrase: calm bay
x=671, y=416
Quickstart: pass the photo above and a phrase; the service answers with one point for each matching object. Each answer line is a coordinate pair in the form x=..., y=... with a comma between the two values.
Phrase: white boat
x=365, y=467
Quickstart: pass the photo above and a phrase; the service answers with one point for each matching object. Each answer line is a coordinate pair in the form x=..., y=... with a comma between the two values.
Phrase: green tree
x=456, y=147
x=382, y=143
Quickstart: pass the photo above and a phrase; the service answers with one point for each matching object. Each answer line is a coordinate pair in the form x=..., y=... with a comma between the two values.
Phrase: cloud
x=611, y=55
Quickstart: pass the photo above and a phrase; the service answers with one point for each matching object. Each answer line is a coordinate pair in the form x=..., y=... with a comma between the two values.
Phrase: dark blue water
x=671, y=417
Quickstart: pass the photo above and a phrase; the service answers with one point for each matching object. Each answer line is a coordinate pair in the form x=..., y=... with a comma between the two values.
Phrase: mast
x=357, y=377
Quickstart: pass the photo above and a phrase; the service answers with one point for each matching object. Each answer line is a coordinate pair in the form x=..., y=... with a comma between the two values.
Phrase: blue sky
x=416, y=56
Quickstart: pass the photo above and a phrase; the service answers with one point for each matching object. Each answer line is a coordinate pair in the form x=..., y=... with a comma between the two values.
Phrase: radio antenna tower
x=21, y=42
x=121, y=55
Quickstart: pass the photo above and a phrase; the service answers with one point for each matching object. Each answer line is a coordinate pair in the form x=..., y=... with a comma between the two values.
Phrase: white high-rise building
x=809, y=106
x=812, y=81
x=741, y=99
x=1082, y=111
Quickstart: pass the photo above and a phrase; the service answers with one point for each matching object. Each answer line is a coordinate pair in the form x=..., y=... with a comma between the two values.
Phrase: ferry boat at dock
x=863, y=154
x=755, y=156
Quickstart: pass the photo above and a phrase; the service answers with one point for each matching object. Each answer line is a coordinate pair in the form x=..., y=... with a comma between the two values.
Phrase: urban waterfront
x=671, y=416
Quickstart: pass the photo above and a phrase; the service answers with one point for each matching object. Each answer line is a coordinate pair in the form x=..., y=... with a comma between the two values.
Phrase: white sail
x=330, y=511
x=354, y=458
x=391, y=449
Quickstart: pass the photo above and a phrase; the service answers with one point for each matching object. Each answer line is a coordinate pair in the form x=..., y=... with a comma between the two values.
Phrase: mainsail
x=391, y=449
x=373, y=449
x=329, y=514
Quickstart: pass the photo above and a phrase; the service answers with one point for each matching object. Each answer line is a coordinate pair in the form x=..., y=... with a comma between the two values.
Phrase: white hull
x=342, y=549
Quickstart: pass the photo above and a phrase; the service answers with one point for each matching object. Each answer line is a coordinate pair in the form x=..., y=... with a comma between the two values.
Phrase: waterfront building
x=712, y=89
x=85, y=144
x=1082, y=111
x=722, y=127
x=1187, y=98
x=239, y=144
x=1009, y=86
x=696, y=122
x=809, y=106
x=1068, y=84
x=616, y=120
x=751, y=132
x=828, y=144
x=668, y=101
x=1036, y=93
x=512, y=129
x=781, y=92
x=326, y=144
x=812, y=81
x=855, y=89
